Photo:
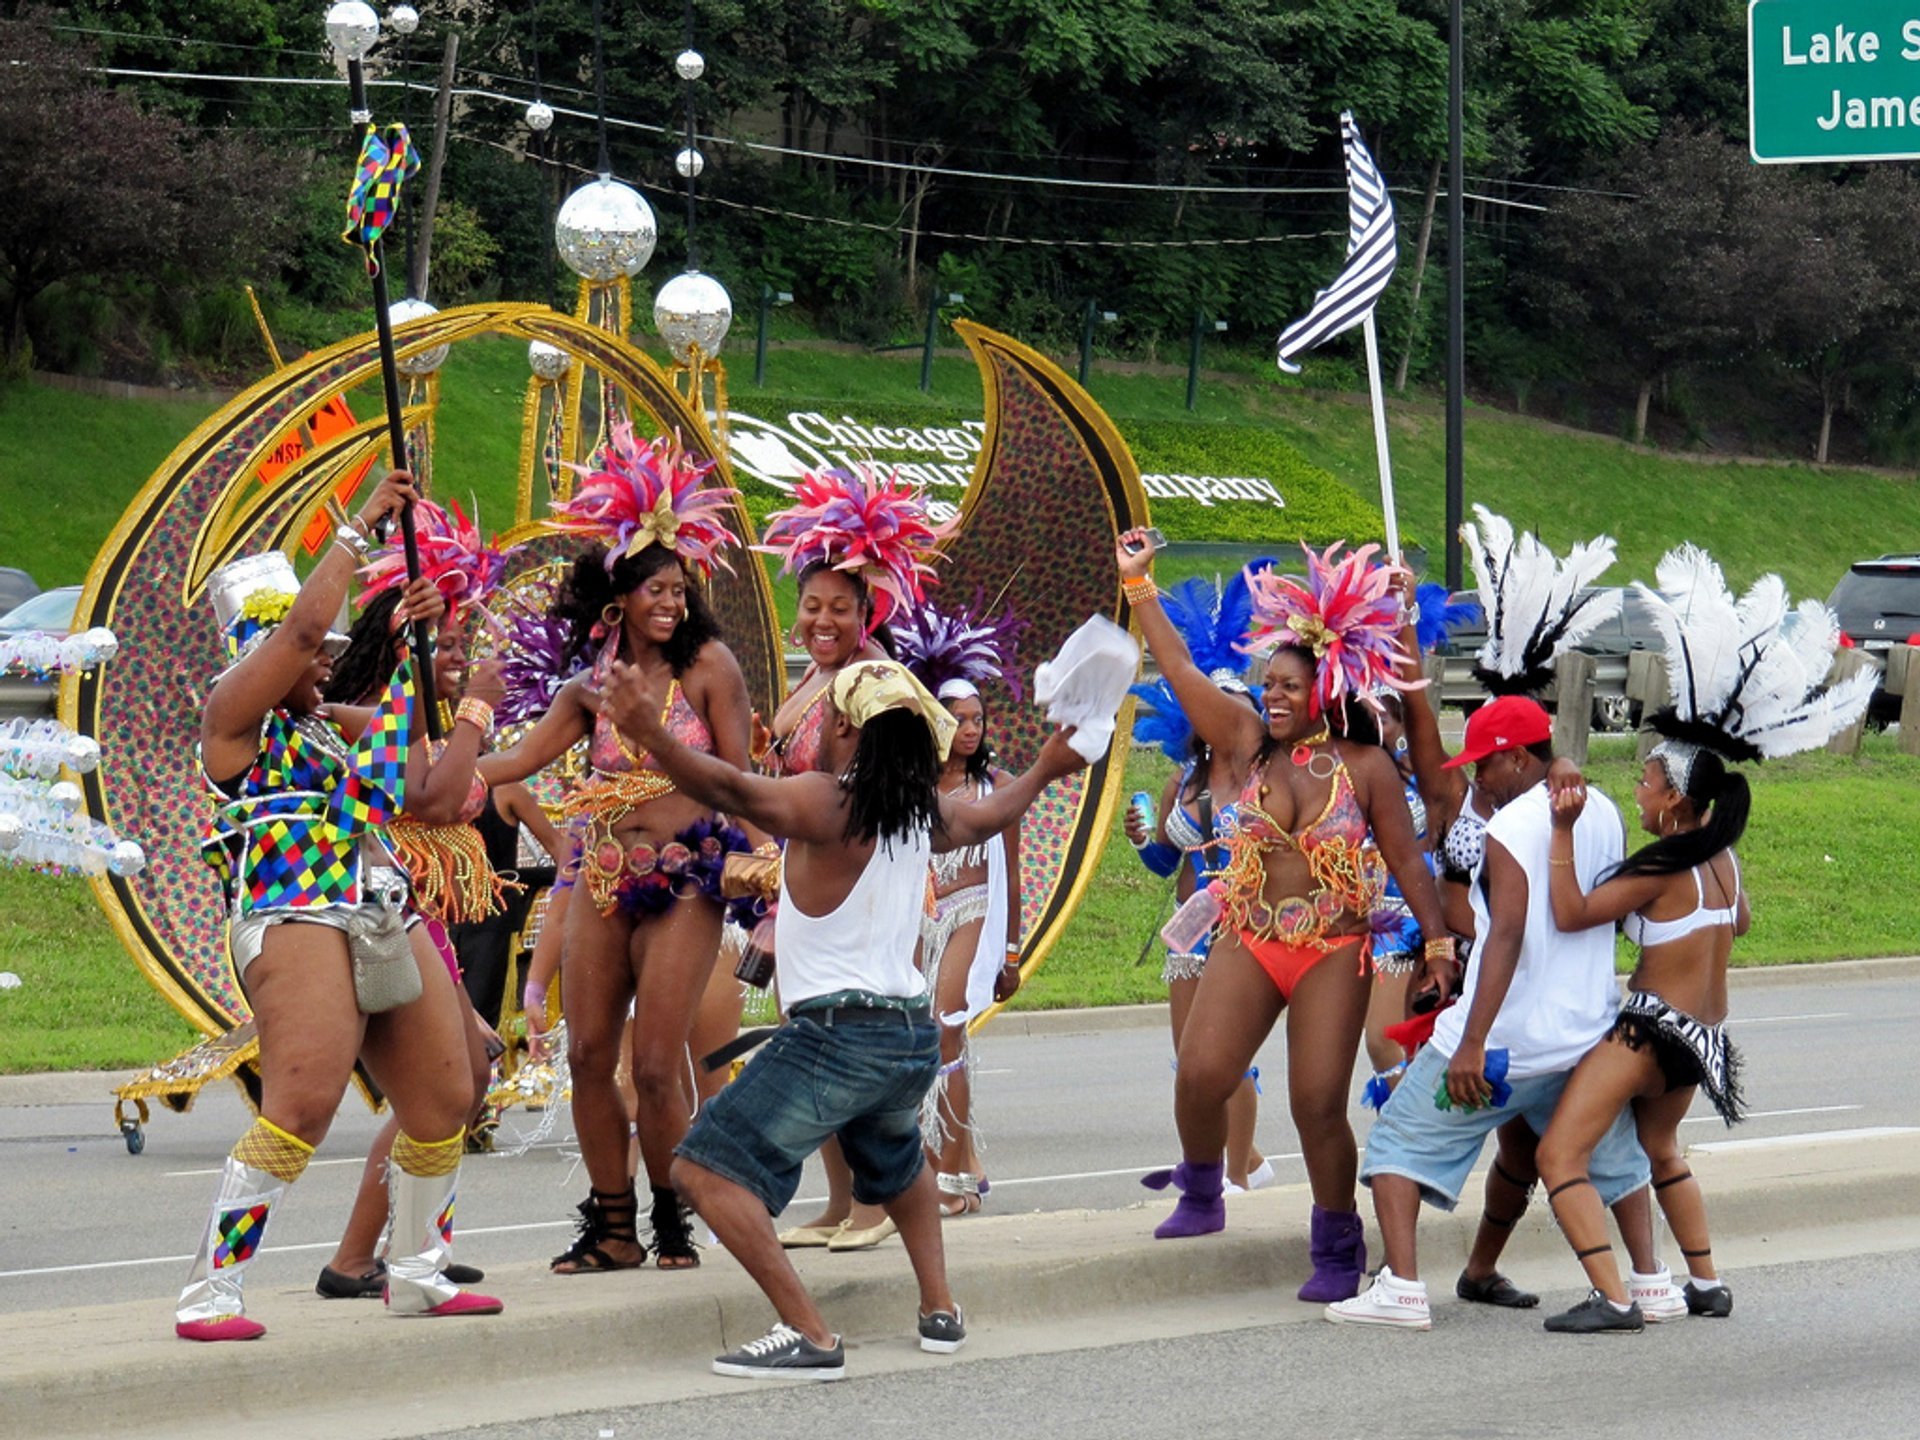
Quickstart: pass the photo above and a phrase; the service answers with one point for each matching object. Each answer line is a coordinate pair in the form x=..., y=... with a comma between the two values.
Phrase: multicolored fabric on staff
x=387, y=161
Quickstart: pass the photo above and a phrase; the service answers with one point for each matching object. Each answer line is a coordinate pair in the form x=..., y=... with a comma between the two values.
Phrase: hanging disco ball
x=539, y=117
x=404, y=19
x=352, y=29
x=425, y=362
x=692, y=309
x=689, y=162
x=605, y=230
x=549, y=362
x=689, y=64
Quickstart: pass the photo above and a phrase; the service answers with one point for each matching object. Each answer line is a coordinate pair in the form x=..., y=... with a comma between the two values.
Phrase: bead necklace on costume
x=1304, y=754
x=947, y=867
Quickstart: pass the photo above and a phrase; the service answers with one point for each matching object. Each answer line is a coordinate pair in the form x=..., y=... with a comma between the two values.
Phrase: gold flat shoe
x=863, y=1239
x=810, y=1237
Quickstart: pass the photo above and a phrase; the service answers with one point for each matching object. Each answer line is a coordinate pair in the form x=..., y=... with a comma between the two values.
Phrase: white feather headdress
x=1537, y=607
x=1745, y=677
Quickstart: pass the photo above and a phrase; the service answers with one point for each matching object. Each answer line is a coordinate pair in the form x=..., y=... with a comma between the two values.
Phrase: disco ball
x=549, y=362
x=127, y=858
x=689, y=162
x=404, y=19
x=539, y=117
x=424, y=362
x=352, y=29
x=689, y=64
x=605, y=230
x=692, y=309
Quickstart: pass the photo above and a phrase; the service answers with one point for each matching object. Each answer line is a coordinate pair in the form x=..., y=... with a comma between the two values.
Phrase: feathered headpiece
x=1744, y=677
x=864, y=521
x=970, y=644
x=1213, y=617
x=1346, y=616
x=1440, y=616
x=463, y=567
x=1538, y=608
x=648, y=493
x=538, y=655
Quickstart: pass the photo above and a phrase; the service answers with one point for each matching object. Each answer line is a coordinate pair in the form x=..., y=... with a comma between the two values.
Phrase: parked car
x=1878, y=605
x=51, y=612
x=15, y=586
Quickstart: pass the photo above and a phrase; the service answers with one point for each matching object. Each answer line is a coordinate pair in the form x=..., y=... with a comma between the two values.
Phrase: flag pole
x=1380, y=437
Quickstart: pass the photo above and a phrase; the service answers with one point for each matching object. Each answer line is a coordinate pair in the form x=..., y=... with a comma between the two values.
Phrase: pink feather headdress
x=1346, y=616
x=864, y=521
x=646, y=494
x=465, y=568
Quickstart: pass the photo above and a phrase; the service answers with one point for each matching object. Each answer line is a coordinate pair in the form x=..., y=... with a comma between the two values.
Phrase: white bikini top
x=1645, y=933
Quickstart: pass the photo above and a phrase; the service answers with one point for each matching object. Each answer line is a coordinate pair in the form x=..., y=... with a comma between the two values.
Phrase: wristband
x=355, y=542
x=1440, y=948
x=1139, y=591
x=1552, y=861
x=477, y=713
x=1161, y=860
x=533, y=1000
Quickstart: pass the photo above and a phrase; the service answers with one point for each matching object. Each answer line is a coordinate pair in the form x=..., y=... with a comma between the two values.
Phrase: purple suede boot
x=1202, y=1208
x=1339, y=1250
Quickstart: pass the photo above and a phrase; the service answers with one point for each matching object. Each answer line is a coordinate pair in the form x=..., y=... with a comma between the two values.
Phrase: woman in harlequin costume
x=301, y=791
x=643, y=927
x=1293, y=903
x=860, y=543
x=976, y=890
x=1746, y=680
x=1185, y=838
x=435, y=837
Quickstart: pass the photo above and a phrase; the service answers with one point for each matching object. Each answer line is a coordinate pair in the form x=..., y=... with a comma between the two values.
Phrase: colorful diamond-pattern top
x=297, y=823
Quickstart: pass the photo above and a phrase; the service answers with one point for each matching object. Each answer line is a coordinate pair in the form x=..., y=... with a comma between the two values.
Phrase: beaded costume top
x=1348, y=873
x=798, y=751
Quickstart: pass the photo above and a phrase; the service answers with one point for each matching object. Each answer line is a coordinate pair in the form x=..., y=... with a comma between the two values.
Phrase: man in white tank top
x=860, y=1048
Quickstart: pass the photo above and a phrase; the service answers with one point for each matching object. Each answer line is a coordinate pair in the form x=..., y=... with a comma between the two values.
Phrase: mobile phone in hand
x=1151, y=539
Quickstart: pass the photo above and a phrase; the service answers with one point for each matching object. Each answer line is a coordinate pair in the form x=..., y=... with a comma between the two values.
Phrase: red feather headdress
x=465, y=568
x=1346, y=616
x=864, y=521
x=650, y=493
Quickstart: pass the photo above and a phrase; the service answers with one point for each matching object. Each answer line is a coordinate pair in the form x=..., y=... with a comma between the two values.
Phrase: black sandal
x=603, y=1218
x=1496, y=1289
x=672, y=1222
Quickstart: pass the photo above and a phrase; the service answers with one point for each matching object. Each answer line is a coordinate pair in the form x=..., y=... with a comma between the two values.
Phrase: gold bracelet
x=1139, y=591
x=477, y=713
x=1439, y=947
x=1552, y=861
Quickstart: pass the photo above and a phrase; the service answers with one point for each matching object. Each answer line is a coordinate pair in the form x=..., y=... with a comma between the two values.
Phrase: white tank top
x=868, y=941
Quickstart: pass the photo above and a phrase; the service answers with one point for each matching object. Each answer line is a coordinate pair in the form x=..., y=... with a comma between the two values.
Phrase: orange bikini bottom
x=1287, y=961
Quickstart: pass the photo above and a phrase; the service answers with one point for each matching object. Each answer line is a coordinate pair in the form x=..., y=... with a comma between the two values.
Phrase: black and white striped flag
x=1372, y=252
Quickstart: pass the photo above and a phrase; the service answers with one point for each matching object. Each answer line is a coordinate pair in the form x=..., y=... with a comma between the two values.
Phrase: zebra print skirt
x=1688, y=1052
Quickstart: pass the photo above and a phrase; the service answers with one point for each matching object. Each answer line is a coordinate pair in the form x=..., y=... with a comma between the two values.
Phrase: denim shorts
x=861, y=1081
x=1436, y=1148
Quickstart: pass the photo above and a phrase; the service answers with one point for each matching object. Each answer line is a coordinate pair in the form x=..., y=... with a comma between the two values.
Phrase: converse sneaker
x=943, y=1332
x=1715, y=1304
x=1597, y=1315
x=783, y=1353
x=1656, y=1295
x=1390, y=1301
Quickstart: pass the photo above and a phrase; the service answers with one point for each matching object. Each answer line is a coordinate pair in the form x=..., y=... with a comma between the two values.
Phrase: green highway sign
x=1833, y=80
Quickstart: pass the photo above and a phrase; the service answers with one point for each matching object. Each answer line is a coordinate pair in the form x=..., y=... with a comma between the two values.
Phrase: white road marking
x=350, y=1160
x=1773, y=1114
x=1745, y=1020
x=1811, y=1137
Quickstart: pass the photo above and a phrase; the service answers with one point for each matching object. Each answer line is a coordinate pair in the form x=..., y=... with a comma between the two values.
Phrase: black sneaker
x=783, y=1352
x=1715, y=1304
x=1496, y=1289
x=943, y=1332
x=1596, y=1315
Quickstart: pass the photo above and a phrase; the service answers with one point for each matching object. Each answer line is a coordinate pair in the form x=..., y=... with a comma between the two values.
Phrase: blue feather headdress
x=1439, y=619
x=1213, y=618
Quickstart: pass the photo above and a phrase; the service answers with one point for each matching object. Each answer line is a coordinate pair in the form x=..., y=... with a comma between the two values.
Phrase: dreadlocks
x=893, y=783
x=372, y=654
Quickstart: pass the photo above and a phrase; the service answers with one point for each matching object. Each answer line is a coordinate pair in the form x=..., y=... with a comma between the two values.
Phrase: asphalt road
x=1820, y=1349
x=1070, y=1120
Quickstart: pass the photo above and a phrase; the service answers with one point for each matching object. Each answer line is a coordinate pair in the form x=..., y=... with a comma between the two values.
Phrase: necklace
x=1303, y=750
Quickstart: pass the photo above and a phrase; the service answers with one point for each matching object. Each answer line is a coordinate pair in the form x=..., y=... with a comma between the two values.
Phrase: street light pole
x=1200, y=327
x=933, y=333
x=1456, y=294
x=769, y=297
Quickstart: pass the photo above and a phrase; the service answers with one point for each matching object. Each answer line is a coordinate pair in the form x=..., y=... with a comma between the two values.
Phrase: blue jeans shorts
x=820, y=1075
x=1437, y=1148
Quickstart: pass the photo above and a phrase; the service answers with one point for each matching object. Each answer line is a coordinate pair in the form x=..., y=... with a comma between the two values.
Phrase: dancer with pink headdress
x=1290, y=910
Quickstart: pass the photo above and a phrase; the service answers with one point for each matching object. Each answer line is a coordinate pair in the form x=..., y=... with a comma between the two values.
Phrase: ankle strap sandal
x=672, y=1223
x=604, y=1219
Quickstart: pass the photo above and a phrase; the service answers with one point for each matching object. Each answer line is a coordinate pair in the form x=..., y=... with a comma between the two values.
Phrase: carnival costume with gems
x=1213, y=617
x=1745, y=681
x=954, y=653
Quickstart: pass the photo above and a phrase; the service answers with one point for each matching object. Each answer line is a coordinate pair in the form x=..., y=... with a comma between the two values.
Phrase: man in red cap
x=1541, y=996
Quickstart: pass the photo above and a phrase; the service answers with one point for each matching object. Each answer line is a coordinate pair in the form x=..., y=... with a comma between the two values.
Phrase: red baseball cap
x=1509, y=723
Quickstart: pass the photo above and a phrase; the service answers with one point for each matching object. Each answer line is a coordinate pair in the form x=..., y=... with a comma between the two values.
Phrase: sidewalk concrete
x=88, y=1087
x=567, y=1343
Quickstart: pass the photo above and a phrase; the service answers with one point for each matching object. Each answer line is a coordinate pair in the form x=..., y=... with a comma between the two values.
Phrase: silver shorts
x=384, y=886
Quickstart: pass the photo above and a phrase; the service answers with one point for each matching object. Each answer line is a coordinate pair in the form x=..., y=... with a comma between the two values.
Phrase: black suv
x=1878, y=603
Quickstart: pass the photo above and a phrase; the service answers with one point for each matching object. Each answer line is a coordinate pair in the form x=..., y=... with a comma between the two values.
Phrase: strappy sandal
x=960, y=1194
x=604, y=1218
x=673, y=1247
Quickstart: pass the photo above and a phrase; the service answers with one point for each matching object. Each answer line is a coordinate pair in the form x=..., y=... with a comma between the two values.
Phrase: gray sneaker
x=783, y=1353
x=1715, y=1304
x=1596, y=1315
x=943, y=1332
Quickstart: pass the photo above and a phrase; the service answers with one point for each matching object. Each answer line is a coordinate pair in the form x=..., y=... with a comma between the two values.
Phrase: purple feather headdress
x=967, y=644
x=539, y=656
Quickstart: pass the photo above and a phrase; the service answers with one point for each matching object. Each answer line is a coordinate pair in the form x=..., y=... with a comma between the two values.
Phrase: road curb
x=108, y=1369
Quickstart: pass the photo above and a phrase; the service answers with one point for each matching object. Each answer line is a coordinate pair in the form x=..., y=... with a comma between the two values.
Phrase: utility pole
x=436, y=163
x=1456, y=294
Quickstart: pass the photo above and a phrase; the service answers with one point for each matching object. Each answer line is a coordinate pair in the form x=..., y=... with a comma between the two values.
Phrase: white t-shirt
x=867, y=942
x=1564, y=995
